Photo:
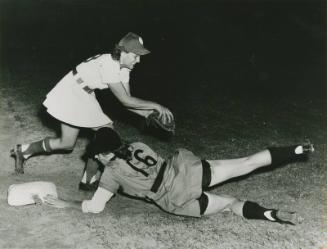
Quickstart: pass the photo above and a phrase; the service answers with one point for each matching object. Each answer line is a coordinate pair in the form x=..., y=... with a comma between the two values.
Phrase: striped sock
x=36, y=148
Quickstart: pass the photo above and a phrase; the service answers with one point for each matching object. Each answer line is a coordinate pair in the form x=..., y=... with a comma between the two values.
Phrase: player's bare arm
x=129, y=101
x=53, y=201
x=137, y=104
x=95, y=205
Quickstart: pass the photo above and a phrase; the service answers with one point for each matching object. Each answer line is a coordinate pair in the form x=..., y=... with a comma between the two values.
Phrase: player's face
x=105, y=158
x=128, y=60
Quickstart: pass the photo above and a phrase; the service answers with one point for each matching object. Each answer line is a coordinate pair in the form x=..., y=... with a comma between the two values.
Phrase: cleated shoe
x=17, y=153
x=88, y=186
x=304, y=149
x=308, y=148
x=288, y=218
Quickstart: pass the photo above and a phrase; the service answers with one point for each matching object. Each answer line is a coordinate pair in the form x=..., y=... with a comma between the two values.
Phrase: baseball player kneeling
x=73, y=103
x=179, y=185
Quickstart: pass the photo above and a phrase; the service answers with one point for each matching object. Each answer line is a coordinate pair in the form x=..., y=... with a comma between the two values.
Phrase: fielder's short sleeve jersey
x=101, y=70
x=136, y=176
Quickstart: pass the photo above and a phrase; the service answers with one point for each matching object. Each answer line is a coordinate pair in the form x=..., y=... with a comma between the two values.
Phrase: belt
x=159, y=178
x=74, y=71
x=79, y=81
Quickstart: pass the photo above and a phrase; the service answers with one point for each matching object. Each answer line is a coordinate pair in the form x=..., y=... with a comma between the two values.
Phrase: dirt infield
x=225, y=132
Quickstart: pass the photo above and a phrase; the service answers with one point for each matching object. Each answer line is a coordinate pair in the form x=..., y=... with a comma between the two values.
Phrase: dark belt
x=159, y=178
x=74, y=71
x=79, y=80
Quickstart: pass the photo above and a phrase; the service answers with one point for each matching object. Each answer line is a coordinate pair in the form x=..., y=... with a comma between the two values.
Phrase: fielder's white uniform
x=73, y=101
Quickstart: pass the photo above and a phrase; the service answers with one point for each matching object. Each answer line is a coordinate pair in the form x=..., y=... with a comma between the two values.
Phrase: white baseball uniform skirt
x=70, y=103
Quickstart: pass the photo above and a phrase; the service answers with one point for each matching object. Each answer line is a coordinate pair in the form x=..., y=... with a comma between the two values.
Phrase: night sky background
x=238, y=76
x=233, y=47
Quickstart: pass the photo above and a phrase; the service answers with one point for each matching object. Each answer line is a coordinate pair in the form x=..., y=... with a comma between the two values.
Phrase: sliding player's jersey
x=175, y=188
x=136, y=176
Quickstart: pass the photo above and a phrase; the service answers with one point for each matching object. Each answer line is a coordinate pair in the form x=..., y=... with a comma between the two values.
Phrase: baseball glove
x=153, y=120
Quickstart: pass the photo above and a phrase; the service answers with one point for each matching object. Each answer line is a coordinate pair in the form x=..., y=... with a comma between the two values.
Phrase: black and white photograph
x=186, y=124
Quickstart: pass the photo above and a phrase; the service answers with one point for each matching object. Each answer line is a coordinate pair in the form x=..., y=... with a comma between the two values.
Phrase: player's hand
x=165, y=114
x=53, y=201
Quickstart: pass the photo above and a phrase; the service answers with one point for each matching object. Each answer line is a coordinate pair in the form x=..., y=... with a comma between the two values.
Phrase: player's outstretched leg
x=21, y=152
x=289, y=154
x=247, y=209
x=222, y=170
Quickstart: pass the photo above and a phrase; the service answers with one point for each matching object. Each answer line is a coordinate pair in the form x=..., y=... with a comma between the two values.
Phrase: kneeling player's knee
x=69, y=147
x=67, y=144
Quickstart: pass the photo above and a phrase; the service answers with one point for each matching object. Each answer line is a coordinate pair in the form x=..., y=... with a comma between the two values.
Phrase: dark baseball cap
x=133, y=43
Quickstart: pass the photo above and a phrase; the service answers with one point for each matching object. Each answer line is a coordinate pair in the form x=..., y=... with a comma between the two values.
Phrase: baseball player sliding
x=73, y=103
x=179, y=185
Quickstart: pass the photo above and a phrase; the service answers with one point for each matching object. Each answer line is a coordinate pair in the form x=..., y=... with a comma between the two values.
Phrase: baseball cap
x=133, y=43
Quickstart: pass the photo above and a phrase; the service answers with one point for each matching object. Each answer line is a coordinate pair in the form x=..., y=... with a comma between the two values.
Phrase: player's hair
x=116, y=51
x=124, y=152
x=105, y=140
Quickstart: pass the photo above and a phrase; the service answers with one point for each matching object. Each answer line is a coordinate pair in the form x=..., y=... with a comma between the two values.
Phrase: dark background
x=238, y=76
x=233, y=47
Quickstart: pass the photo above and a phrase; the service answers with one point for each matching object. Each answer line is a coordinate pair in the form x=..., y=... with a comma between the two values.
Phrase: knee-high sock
x=252, y=210
x=284, y=155
x=36, y=147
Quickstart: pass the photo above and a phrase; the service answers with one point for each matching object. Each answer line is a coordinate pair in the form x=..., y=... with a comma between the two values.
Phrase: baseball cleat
x=17, y=153
x=88, y=186
x=308, y=148
x=304, y=149
x=288, y=218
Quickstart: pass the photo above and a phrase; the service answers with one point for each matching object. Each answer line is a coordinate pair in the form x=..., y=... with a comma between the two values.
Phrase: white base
x=22, y=194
